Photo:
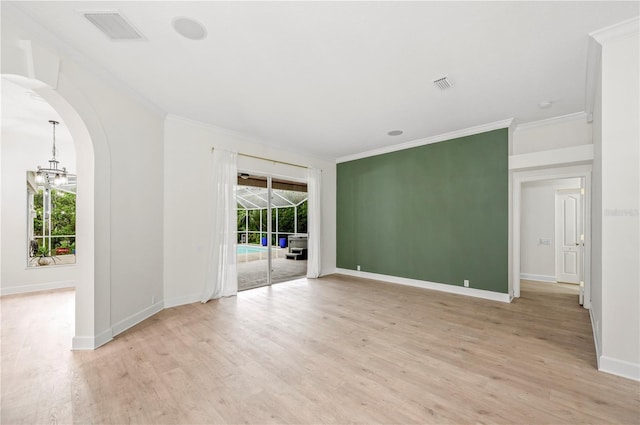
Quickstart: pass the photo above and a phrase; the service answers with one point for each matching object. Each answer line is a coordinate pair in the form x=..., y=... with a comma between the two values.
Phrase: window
x=51, y=222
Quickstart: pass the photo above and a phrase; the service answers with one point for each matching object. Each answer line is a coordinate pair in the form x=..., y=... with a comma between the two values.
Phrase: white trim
x=428, y=140
x=23, y=289
x=452, y=289
x=520, y=177
x=564, y=156
x=538, y=277
x=619, y=368
x=621, y=29
x=596, y=338
x=246, y=137
x=182, y=300
x=136, y=318
x=594, y=62
x=553, y=121
x=90, y=342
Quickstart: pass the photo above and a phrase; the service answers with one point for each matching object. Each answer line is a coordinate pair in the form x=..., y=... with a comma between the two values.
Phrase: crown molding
x=621, y=29
x=217, y=129
x=553, y=121
x=245, y=137
x=429, y=140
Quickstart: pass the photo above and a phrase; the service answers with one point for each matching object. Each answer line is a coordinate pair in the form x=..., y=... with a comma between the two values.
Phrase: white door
x=569, y=236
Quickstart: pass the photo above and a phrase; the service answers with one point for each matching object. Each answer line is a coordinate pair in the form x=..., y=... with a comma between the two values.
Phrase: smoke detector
x=443, y=83
x=114, y=25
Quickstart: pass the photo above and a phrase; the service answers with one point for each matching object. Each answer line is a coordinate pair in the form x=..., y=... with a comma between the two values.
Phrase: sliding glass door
x=272, y=225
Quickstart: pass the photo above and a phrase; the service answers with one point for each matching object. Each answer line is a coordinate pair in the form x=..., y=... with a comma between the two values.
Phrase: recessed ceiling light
x=545, y=104
x=395, y=132
x=189, y=28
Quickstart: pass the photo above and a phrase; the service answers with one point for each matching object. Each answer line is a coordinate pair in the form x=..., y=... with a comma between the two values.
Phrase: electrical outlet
x=466, y=283
x=358, y=267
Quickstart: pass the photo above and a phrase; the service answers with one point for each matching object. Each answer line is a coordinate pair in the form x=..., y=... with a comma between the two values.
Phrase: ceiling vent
x=443, y=83
x=113, y=25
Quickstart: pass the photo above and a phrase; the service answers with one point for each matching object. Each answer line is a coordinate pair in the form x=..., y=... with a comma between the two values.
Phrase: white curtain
x=221, y=279
x=313, y=222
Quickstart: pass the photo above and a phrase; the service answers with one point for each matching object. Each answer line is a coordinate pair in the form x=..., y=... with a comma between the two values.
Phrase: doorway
x=271, y=230
x=527, y=239
x=93, y=230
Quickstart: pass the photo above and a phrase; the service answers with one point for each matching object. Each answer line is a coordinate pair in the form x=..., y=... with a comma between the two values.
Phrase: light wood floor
x=333, y=350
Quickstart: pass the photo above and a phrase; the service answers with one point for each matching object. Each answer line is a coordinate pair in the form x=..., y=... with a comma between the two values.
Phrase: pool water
x=244, y=249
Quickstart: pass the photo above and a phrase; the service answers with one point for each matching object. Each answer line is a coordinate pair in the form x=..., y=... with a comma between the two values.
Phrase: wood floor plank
x=333, y=350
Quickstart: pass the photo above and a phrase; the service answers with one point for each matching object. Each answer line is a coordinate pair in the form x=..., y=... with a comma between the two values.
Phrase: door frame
x=520, y=177
x=270, y=177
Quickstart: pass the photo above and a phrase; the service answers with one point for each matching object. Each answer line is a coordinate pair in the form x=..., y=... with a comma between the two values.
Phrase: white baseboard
x=610, y=365
x=23, y=289
x=538, y=277
x=134, y=319
x=331, y=271
x=619, y=367
x=596, y=337
x=91, y=342
x=182, y=300
x=453, y=289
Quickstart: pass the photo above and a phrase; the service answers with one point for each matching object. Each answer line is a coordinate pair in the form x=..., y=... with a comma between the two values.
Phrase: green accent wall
x=436, y=212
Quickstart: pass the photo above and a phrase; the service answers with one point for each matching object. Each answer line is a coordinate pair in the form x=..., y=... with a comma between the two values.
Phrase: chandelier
x=52, y=175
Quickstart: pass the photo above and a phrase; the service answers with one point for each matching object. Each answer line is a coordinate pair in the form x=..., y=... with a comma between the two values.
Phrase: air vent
x=443, y=83
x=113, y=25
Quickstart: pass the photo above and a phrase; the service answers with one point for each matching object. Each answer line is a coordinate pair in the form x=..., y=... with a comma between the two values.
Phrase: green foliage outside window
x=63, y=217
x=286, y=221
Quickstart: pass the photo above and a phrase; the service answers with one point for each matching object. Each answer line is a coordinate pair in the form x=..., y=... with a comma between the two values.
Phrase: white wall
x=619, y=221
x=22, y=152
x=121, y=154
x=538, y=261
x=551, y=134
x=186, y=226
x=596, y=215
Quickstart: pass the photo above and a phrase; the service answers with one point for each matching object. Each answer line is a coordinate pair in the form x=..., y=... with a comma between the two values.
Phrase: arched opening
x=92, y=324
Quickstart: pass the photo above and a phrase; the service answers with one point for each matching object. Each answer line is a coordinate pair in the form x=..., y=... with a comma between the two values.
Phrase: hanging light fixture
x=52, y=175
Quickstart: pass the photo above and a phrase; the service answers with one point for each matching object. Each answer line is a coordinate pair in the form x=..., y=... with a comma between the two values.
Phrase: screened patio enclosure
x=264, y=228
x=289, y=214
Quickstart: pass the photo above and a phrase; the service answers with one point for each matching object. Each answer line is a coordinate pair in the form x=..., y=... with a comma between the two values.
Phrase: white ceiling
x=332, y=78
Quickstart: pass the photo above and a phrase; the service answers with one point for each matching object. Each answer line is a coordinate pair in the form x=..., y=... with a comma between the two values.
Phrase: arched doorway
x=92, y=307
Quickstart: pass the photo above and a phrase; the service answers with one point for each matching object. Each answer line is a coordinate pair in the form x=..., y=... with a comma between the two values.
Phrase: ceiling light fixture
x=189, y=28
x=243, y=176
x=52, y=175
x=395, y=132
